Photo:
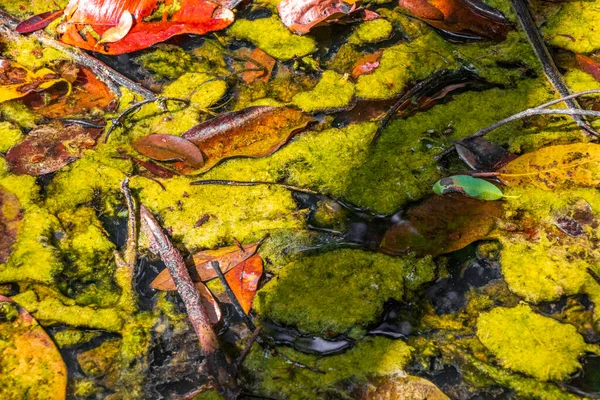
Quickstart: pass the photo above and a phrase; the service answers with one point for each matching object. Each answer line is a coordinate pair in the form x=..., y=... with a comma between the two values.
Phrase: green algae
x=170, y=62
x=271, y=36
x=334, y=91
x=73, y=337
x=24, y=9
x=334, y=291
x=570, y=27
x=530, y=343
x=9, y=136
x=18, y=114
x=373, y=31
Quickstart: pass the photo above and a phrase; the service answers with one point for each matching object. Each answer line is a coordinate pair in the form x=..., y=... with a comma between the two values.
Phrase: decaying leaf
x=460, y=19
x=300, y=16
x=243, y=280
x=399, y=387
x=11, y=216
x=259, y=66
x=476, y=188
x=589, y=65
x=50, y=147
x=440, y=225
x=479, y=154
x=117, y=32
x=17, y=81
x=201, y=269
x=209, y=303
x=252, y=132
x=154, y=21
x=366, y=64
x=31, y=365
x=169, y=148
x=555, y=166
x=38, y=22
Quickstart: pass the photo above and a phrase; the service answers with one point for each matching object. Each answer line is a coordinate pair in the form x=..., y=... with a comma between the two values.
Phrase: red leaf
x=243, y=280
x=169, y=148
x=301, y=16
x=589, y=66
x=38, y=22
x=188, y=16
x=366, y=64
x=258, y=60
x=50, y=147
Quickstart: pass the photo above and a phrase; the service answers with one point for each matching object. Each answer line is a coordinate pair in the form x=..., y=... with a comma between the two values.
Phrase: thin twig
x=126, y=264
x=109, y=76
x=248, y=348
x=537, y=42
x=234, y=301
x=594, y=275
x=256, y=183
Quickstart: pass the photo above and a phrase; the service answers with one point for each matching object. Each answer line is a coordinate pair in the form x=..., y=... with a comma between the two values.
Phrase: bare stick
x=594, y=275
x=112, y=78
x=552, y=73
x=216, y=363
x=234, y=301
x=126, y=265
x=249, y=344
x=257, y=183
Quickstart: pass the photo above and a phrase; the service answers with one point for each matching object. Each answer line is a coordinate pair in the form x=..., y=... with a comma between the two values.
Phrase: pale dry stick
x=539, y=110
x=216, y=364
x=126, y=264
x=255, y=183
x=106, y=74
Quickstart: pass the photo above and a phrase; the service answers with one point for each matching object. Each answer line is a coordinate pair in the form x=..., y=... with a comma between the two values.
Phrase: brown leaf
x=252, y=132
x=201, y=269
x=209, y=303
x=555, y=166
x=16, y=81
x=11, y=217
x=398, y=387
x=366, y=64
x=243, y=280
x=300, y=16
x=38, y=22
x=441, y=224
x=50, y=147
x=479, y=154
x=462, y=19
x=589, y=65
x=117, y=32
x=259, y=60
x=30, y=361
x=169, y=148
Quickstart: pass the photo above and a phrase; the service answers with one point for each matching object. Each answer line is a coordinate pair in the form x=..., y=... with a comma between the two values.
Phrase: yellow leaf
x=555, y=166
x=118, y=31
x=17, y=81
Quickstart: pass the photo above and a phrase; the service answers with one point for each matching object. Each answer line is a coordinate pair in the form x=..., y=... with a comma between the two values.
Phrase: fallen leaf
x=476, y=188
x=589, y=65
x=50, y=147
x=251, y=132
x=441, y=224
x=32, y=365
x=209, y=303
x=461, y=19
x=555, y=166
x=11, y=216
x=154, y=21
x=300, y=16
x=200, y=264
x=117, y=32
x=38, y=22
x=16, y=81
x=366, y=64
x=258, y=60
x=169, y=148
x=479, y=154
x=243, y=280
x=398, y=387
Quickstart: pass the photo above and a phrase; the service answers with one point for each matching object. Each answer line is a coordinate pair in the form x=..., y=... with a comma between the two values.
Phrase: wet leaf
x=209, y=303
x=479, y=154
x=154, y=21
x=399, y=387
x=30, y=361
x=262, y=61
x=169, y=148
x=300, y=16
x=476, y=188
x=201, y=269
x=366, y=64
x=460, y=19
x=555, y=166
x=11, y=217
x=50, y=147
x=589, y=65
x=38, y=22
x=441, y=224
x=243, y=280
x=252, y=132
x=17, y=81
x=118, y=32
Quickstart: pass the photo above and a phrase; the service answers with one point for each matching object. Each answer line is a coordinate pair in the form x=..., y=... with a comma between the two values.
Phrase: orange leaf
x=243, y=280
x=589, y=65
x=366, y=64
x=259, y=60
x=118, y=31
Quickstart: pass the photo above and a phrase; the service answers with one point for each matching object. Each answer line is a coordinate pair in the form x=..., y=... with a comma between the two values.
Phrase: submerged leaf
x=50, y=147
x=16, y=81
x=243, y=280
x=31, y=365
x=259, y=66
x=366, y=64
x=555, y=166
x=441, y=224
x=301, y=16
x=38, y=22
x=118, y=32
x=476, y=188
x=11, y=216
x=589, y=65
x=169, y=148
x=209, y=303
x=252, y=132
x=479, y=154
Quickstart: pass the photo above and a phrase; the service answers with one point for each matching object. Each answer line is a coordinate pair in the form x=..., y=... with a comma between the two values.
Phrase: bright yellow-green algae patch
x=271, y=36
x=301, y=295
x=9, y=136
x=574, y=27
x=371, y=32
x=26, y=8
x=334, y=91
x=371, y=357
x=526, y=342
x=170, y=62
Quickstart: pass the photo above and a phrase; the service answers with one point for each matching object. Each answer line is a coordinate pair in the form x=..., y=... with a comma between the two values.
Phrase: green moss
x=334, y=91
x=203, y=89
x=9, y=136
x=170, y=62
x=273, y=38
x=31, y=53
x=369, y=358
x=530, y=343
x=302, y=296
x=345, y=58
x=17, y=113
x=571, y=27
x=72, y=337
x=373, y=31
x=22, y=9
